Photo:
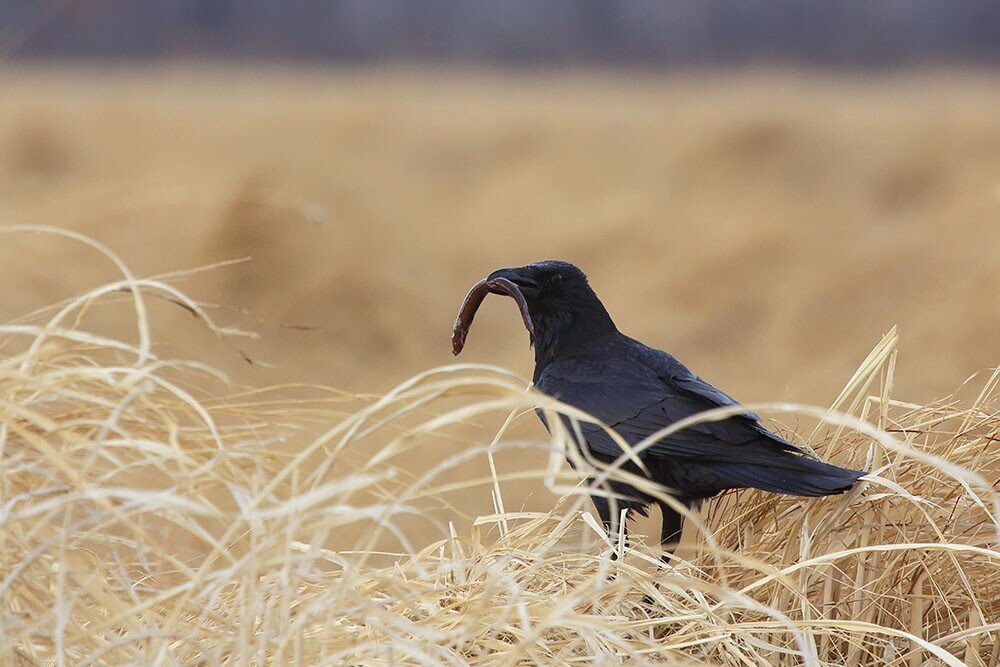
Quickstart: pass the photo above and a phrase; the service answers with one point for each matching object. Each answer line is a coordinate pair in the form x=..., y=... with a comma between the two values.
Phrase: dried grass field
x=207, y=461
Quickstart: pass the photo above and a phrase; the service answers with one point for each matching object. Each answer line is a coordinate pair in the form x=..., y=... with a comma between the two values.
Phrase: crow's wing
x=645, y=390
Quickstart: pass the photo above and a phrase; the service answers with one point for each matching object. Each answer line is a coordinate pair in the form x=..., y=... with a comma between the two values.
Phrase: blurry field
x=766, y=228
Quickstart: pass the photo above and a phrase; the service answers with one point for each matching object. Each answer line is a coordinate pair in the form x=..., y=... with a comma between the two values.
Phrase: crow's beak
x=526, y=285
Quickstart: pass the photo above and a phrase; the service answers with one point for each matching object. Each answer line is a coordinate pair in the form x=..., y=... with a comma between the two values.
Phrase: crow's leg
x=670, y=537
x=670, y=531
x=609, y=510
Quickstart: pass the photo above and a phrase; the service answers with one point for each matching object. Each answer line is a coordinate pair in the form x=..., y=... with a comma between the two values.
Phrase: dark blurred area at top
x=852, y=33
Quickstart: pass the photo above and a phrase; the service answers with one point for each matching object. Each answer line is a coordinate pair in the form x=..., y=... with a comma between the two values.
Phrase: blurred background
x=761, y=188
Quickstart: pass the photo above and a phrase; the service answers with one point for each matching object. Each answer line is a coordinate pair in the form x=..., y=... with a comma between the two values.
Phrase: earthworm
x=475, y=298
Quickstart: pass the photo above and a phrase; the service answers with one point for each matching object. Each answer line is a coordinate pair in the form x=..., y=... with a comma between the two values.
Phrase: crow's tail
x=795, y=475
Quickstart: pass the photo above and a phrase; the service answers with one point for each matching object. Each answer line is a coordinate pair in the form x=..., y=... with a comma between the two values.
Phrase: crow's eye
x=556, y=279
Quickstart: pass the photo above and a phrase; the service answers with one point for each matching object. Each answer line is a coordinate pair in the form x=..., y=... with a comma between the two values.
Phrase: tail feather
x=804, y=477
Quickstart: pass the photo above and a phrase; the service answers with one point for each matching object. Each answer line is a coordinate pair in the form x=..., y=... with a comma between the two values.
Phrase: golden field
x=766, y=228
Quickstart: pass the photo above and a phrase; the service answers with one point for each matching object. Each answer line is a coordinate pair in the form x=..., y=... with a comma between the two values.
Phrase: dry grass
x=153, y=513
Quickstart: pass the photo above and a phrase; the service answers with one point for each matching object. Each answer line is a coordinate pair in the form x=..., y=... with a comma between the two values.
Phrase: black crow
x=582, y=359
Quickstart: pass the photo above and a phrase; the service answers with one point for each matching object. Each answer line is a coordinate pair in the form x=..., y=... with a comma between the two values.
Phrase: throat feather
x=549, y=329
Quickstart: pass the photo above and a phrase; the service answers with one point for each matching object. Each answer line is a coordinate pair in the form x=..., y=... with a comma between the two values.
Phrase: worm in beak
x=475, y=298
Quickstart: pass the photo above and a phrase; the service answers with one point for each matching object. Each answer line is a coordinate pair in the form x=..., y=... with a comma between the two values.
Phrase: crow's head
x=548, y=285
x=555, y=299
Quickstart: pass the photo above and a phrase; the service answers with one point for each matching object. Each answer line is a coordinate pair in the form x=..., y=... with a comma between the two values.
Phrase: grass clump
x=154, y=513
